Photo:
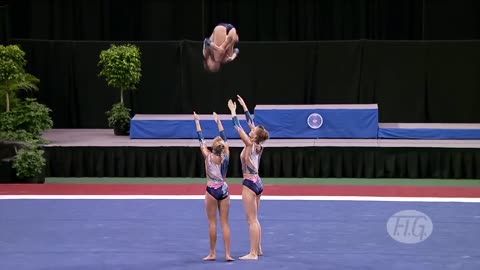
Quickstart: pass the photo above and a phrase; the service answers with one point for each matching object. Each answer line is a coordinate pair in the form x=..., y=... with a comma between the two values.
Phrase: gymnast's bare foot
x=210, y=257
x=229, y=258
x=249, y=256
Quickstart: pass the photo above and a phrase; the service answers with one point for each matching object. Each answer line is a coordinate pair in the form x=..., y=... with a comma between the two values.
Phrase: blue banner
x=319, y=121
x=181, y=127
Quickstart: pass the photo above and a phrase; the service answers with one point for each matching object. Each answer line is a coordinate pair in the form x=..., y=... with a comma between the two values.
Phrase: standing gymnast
x=219, y=48
x=217, y=194
x=252, y=183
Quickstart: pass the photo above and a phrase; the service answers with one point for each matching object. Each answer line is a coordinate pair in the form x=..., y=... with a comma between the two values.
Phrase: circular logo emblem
x=409, y=226
x=315, y=120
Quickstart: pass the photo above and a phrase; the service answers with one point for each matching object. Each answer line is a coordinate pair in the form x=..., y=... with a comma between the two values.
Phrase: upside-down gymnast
x=252, y=187
x=219, y=48
x=217, y=195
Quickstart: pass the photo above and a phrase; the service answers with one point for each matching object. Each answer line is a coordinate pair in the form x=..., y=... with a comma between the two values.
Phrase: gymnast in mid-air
x=219, y=48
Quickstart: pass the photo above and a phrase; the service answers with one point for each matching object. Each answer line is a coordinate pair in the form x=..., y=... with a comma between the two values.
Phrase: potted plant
x=119, y=119
x=22, y=121
x=13, y=76
x=29, y=164
x=121, y=68
x=21, y=128
x=25, y=122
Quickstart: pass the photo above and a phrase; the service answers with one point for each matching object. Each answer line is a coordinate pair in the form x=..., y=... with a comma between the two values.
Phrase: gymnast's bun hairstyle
x=262, y=134
x=218, y=145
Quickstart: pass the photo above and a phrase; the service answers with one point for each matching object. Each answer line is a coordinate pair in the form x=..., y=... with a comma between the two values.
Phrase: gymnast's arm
x=222, y=133
x=233, y=56
x=246, y=140
x=201, y=139
x=250, y=122
x=210, y=44
x=216, y=47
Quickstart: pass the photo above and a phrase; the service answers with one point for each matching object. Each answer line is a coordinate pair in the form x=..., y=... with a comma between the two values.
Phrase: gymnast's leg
x=259, y=250
x=249, y=199
x=224, y=207
x=211, y=206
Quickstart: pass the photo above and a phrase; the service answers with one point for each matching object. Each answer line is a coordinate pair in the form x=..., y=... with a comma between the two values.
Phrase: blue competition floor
x=172, y=234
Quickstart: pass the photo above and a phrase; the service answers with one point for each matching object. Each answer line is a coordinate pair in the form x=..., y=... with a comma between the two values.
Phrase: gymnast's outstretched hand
x=242, y=103
x=232, y=106
x=195, y=116
x=215, y=116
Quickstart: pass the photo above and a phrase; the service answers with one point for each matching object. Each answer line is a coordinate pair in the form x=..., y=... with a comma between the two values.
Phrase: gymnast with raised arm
x=217, y=194
x=219, y=48
x=252, y=188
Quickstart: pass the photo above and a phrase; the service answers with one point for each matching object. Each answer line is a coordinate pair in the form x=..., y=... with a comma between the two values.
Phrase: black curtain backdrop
x=4, y=23
x=349, y=162
x=257, y=20
x=412, y=81
x=292, y=52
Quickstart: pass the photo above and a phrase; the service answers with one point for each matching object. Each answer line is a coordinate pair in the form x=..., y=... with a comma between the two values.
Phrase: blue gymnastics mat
x=72, y=234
